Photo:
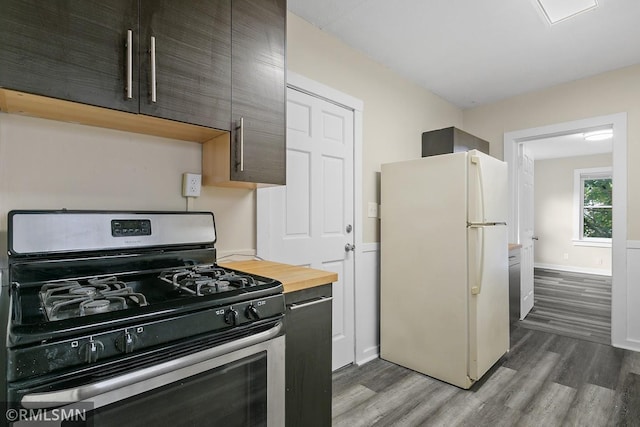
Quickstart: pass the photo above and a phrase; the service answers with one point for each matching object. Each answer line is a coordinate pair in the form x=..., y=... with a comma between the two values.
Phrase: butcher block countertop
x=513, y=246
x=293, y=278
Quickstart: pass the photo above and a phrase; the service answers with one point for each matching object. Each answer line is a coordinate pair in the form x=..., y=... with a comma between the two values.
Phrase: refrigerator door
x=423, y=266
x=488, y=192
x=488, y=297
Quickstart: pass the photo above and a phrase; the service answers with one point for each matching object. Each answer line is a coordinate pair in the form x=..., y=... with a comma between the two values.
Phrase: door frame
x=619, y=327
x=313, y=88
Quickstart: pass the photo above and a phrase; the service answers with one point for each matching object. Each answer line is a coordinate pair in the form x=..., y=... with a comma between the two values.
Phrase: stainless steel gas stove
x=129, y=313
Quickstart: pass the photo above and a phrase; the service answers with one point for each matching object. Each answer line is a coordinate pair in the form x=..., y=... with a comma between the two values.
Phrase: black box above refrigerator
x=451, y=140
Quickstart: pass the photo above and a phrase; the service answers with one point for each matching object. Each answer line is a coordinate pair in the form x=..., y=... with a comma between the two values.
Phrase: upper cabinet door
x=258, y=91
x=73, y=50
x=185, y=49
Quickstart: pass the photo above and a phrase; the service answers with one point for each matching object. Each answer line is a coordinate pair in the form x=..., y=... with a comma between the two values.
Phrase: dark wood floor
x=545, y=380
x=572, y=304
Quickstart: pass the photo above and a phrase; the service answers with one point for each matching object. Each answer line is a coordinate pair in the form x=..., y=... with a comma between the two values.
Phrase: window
x=593, y=205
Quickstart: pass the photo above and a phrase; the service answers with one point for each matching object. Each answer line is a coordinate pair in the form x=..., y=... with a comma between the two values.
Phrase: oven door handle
x=77, y=394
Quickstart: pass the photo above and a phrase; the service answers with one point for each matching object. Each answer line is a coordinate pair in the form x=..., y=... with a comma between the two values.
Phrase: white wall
x=605, y=94
x=46, y=164
x=368, y=304
x=555, y=216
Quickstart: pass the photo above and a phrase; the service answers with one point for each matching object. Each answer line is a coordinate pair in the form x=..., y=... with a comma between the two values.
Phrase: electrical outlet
x=191, y=184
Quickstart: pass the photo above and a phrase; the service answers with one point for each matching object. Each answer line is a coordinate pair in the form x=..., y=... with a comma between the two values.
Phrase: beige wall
x=52, y=165
x=608, y=93
x=555, y=215
x=396, y=112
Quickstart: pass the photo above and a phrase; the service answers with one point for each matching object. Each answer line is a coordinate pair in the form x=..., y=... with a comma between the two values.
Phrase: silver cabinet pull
x=128, y=61
x=240, y=132
x=152, y=50
x=297, y=306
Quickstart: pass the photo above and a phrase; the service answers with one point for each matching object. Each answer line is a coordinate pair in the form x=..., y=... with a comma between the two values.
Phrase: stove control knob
x=126, y=343
x=231, y=317
x=91, y=350
x=252, y=312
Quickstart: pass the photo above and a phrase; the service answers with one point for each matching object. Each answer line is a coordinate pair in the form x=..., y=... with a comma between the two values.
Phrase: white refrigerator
x=444, y=297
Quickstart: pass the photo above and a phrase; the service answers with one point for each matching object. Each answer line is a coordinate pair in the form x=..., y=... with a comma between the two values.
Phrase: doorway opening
x=571, y=210
x=517, y=147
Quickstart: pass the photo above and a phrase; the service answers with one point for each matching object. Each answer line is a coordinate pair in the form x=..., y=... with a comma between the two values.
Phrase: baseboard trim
x=370, y=247
x=628, y=344
x=369, y=354
x=571, y=269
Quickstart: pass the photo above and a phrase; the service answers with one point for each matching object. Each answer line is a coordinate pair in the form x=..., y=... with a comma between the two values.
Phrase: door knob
x=349, y=247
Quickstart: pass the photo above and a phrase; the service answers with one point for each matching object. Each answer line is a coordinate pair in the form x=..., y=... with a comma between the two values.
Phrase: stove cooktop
x=94, y=295
x=72, y=302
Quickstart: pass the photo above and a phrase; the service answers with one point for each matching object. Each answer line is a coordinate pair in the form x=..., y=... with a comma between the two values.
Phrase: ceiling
x=473, y=52
x=567, y=146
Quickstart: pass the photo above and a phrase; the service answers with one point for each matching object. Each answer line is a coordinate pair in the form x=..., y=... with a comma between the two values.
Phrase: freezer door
x=488, y=297
x=487, y=183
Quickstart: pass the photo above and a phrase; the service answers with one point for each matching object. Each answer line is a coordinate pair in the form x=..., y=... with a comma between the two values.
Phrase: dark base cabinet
x=308, y=357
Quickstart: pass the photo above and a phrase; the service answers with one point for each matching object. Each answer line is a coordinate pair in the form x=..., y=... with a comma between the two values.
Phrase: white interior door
x=525, y=208
x=311, y=218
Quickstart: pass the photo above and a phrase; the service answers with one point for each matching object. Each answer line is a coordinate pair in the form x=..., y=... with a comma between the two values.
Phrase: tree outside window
x=597, y=204
x=593, y=201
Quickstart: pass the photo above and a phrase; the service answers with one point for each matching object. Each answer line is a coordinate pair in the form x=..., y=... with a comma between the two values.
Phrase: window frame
x=579, y=176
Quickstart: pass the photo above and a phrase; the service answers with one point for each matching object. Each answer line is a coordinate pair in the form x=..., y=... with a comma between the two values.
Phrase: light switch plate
x=372, y=210
x=191, y=184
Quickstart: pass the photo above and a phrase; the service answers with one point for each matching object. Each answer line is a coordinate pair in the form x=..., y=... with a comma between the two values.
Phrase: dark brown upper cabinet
x=258, y=149
x=100, y=53
x=72, y=50
x=185, y=49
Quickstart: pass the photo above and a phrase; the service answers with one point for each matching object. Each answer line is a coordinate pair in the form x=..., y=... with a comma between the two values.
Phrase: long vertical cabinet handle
x=476, y=161
x=129, y=62
x=475, y=290
x=154, y=94
x=240, y=133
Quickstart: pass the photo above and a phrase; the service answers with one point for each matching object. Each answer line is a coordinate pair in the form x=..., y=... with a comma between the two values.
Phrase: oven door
x=239, y=383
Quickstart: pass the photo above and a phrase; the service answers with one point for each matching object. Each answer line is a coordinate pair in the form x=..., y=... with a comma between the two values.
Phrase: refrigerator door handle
x=477, y=161
x=475, y=290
